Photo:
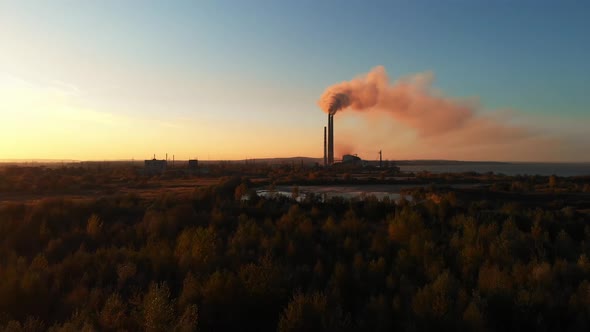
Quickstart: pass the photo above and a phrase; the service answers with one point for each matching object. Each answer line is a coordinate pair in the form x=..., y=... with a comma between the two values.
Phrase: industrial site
x=166, y=166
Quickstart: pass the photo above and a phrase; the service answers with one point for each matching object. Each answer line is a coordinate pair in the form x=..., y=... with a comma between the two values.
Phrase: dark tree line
x=216, y=262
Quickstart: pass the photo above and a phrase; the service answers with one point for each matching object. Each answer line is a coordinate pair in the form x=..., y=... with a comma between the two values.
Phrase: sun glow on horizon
x=52, y=121
x=102, y=80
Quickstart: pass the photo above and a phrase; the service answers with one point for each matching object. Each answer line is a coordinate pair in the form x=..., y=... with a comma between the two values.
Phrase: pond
x=327, y=192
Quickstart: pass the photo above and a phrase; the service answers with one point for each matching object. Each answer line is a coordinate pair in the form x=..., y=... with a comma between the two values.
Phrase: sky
x=125, y=79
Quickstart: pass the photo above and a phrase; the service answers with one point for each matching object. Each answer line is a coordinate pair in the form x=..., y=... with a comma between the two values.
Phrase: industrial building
x=155, y=166
x=351, y=159
x=347, y=159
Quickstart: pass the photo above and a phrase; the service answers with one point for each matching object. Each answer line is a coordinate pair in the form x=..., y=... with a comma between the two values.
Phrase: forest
x=514, y=255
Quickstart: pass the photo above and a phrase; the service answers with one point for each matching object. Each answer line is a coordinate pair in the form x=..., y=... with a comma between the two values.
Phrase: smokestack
x=330, y=139
x=325, y=148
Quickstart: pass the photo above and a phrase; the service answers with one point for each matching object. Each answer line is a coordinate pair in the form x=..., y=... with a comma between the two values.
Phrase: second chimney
x=330, y=139
x=325, y=148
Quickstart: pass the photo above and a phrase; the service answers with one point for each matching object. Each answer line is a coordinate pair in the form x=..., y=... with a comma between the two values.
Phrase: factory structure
x=329, y=142
x=156, y=166
x=347, y=159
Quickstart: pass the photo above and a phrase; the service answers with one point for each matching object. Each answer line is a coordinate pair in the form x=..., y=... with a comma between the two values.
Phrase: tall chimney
x=325, y=147
x=330, y=139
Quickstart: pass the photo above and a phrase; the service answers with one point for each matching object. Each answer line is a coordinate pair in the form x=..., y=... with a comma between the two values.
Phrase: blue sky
x=267, y=62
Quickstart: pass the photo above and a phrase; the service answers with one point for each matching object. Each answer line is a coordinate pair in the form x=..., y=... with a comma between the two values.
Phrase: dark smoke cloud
x=337, y=102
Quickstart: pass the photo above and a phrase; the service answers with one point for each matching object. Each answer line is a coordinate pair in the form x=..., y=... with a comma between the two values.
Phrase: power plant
x=329, y=142
x=347, y=159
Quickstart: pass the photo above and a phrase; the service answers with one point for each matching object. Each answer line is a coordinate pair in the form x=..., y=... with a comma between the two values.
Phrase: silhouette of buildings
x=155, y=166
x=350, y=159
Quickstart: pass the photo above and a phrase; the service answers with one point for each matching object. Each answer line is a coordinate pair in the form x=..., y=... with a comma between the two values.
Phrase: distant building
x=193, y=164
x=154, y=166
x=350, y=159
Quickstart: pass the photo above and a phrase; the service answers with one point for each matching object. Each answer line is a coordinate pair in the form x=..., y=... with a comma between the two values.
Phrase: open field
x=148, y=190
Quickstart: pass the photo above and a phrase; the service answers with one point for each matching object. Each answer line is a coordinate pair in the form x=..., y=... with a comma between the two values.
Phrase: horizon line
x=74, y=161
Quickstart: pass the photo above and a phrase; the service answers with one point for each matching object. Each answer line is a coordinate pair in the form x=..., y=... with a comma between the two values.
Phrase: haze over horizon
x=461, y=80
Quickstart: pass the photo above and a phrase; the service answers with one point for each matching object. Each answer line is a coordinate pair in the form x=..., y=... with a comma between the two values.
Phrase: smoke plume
x=428, y=124
x=411, y=101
